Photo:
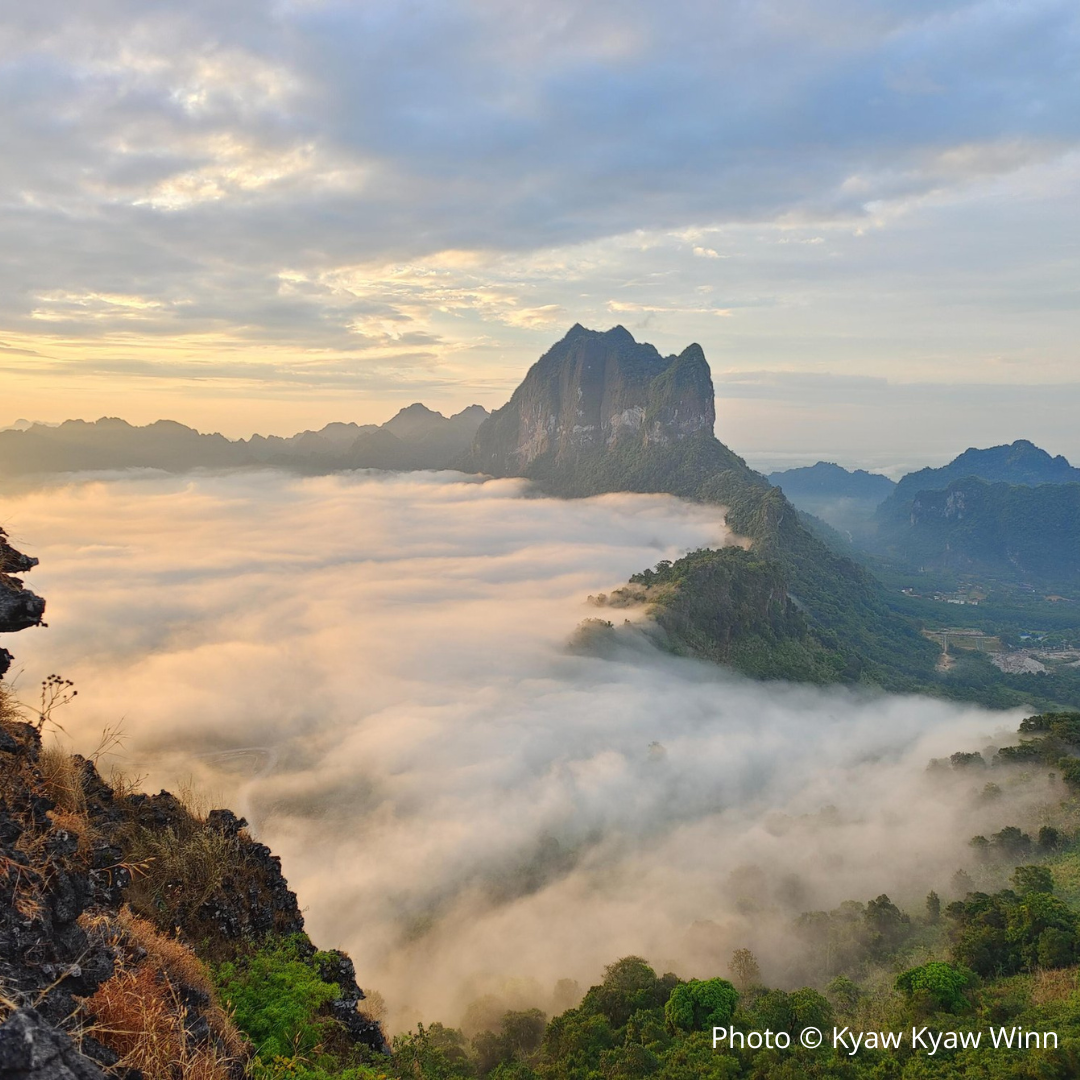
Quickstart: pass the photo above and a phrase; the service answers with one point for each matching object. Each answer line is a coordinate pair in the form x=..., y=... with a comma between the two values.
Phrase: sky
x=264, y=216
x=385, y=674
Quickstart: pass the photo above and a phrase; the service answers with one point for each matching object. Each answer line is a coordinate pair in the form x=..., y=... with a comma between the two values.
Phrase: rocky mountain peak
x=591, y=391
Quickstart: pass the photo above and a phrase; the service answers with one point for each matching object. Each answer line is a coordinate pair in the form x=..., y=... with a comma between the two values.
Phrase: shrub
x=941, y=984
x=276, y=999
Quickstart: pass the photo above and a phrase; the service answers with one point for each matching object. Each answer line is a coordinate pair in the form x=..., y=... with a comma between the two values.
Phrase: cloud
x=187, y=156
x=374, y=669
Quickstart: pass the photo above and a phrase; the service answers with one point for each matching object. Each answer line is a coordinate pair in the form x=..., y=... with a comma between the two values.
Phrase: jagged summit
x=591, y=391
x=413, y=420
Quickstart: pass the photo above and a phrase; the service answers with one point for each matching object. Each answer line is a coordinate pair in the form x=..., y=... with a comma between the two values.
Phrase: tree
x=933, y=907
x=1033, y=879
x=629, y=984
x=941, y=985
x=744, y=969
x=701, y=1005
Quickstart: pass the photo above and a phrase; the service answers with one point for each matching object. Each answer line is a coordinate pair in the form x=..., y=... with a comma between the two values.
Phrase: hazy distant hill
x=601, y=412
x=1021, y=462
x=417, y=438
x=846, y=499
x=826, y=480
x=1008, y=511
x=1007, y=530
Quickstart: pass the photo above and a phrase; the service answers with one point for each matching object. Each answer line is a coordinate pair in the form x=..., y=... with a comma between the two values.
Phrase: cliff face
x=106, y=895
x=19, y=607
x=594, y=391
x=1009, y=530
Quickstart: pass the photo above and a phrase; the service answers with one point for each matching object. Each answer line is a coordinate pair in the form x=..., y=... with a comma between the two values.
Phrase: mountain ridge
x=1018, y=462
x=410, y=440
x=847, y=630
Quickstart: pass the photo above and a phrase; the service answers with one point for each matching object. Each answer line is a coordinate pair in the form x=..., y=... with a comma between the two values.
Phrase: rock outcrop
x=51, y=877
x=32, y=1049
x=19, y=607
x=592, y=392
x=74, y=919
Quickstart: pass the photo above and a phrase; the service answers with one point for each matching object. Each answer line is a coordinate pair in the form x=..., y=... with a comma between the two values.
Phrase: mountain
x=111, y=443
x=417, y=438
x=600, y=412
x=436, y=441
x=1008, y=530
x=845, y=499
x=1008, y=511
x=593, y=392
x=826, y=480
x=1021, y=462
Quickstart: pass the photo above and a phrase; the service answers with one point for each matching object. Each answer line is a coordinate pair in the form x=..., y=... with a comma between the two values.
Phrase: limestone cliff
x=593, y=391
x=600, y=412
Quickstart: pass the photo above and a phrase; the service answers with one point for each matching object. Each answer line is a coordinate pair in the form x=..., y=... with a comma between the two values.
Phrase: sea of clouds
x=375, y=670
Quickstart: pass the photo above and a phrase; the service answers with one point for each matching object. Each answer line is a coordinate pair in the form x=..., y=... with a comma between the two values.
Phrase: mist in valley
x=374, y=669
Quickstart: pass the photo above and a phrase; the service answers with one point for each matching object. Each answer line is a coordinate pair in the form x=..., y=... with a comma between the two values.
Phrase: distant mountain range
x=1007, y=530
x=1021, y=462
x=826, y=480
x=1012, y=512
x=416, y=438
x=601, y=412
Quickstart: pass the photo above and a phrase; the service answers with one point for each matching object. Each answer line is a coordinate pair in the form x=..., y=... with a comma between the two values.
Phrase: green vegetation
x=845, y=630
x=276, y=998
x=937, y=987
x=732, y=606
x=1013, y=530
x=986, y=962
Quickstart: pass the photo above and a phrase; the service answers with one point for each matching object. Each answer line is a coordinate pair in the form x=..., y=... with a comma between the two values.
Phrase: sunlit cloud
x=459, y=798
x=886, y=189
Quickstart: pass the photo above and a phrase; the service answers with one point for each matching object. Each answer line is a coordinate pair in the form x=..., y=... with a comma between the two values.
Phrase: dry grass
x=373, y=1006
x=140, y=1014
x=1056, y=984
x=62, y=776
x=178, y=867
x=9, y=709
x=174, y=959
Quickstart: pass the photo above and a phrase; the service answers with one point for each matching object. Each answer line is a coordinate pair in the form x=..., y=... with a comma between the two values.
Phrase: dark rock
x=32, y=1049
x=45, y=956
x=19, y=607
x=337, y=968
x=225, y=822
x=593, y=391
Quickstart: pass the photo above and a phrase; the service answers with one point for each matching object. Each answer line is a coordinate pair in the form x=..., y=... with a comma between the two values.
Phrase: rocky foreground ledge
x=116, y=908
x=19, y=607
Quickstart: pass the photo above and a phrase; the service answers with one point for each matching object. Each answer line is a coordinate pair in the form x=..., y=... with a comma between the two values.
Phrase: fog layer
x=374, y=670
